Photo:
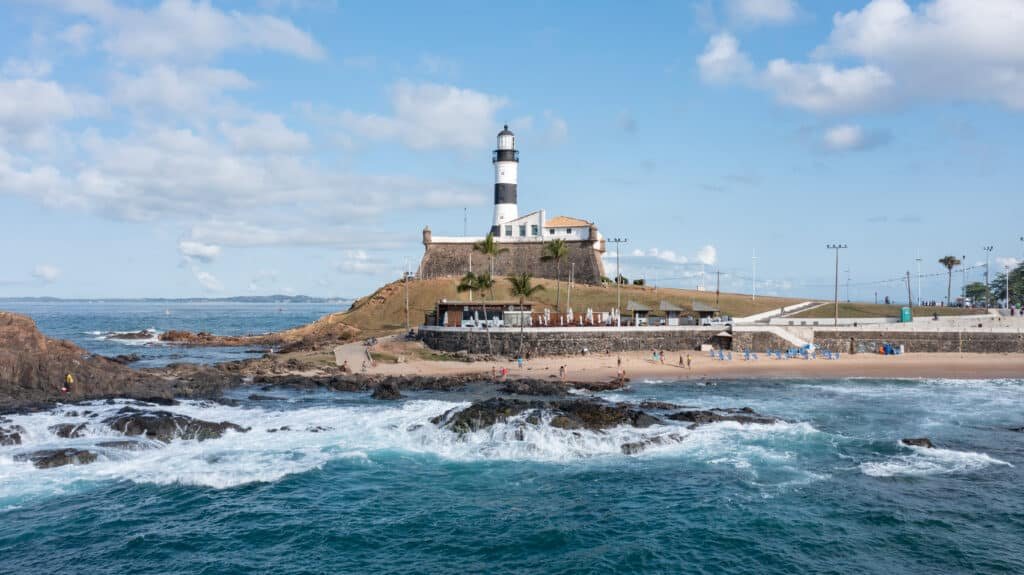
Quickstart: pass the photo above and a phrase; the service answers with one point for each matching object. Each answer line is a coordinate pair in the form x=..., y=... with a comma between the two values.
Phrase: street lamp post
x=919, y=298
x=618, y=272
x=988, y=295
x=836, y=247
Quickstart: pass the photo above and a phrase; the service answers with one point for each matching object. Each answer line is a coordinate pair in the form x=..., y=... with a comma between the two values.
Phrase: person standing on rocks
x=69, y=380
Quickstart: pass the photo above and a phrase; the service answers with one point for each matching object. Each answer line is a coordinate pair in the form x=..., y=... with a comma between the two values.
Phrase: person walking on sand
x=519, y=360
x=689, y=362
x=619, y=361
x=561, y=372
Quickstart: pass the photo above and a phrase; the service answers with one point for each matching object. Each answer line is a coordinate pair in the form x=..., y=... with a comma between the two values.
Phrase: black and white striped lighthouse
x=506, y=176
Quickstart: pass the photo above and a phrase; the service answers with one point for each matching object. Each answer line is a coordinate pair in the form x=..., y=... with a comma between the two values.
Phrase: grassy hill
x=384, y=310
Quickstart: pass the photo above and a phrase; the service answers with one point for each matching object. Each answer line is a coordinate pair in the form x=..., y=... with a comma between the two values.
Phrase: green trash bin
x=906, y=315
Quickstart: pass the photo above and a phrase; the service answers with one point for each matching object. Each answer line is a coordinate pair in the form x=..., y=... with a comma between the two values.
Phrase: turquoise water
x=90, y=324
x=381, y=490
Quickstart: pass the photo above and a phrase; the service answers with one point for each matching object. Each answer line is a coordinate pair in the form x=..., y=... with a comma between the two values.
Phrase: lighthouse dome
x=506, y=132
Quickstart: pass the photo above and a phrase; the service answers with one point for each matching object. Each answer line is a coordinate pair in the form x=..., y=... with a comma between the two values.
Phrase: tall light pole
x=963, y=279
x=753, y=281
x=836, y=247
x=919, y=298
x=1007, y=276
x=988, y=254
x=847, y=270
x=406, y=282
x=618, y=272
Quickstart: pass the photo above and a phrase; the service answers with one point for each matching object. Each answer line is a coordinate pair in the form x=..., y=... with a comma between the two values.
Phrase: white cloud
x=825, y=88
x=762, y=11
x=667, y=256
x=428, y=116
x=77, y=35
x=207, y=280
x=15, y=68
x=360, y=262
x=46, y=273
x=722, y=60
x=182, y=29
x=199, y=251
x=557, y=131
x=31, y=108
x=176, y=89
x=1011, y=262
x=267, y=133
x=848, y=137
x=895, y=53
x=707, y=255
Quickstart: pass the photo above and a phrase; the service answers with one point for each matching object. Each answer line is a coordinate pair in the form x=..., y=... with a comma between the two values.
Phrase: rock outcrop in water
x=593, y=415
x=918, y=442
x=387, y=391
x=68, y=430
x=33, y=368
x=11, y=434
x=165, y=426
x=47, y=458
x=743, y=415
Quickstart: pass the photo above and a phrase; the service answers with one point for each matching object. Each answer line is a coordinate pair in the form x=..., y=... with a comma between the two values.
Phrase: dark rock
x=637, y=446
x=918, y=442
x=259, y=397
x=595, y=415
x=700, y=417
x=68, y=430
x=165, y=426
x=11, y=435
x=484, y=414
x=314, y=428
x=125, y=359
x=535, y=387
x=387, y=390
x=589, y=414
x=166, y=401
x=48, y=458
x=132, y=335
x=659, y=405
x=127, y=445
x=276, y=429
x=1017, y=429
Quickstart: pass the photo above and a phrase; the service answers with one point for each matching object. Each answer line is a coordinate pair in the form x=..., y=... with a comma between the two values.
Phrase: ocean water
x=358, y=486
x=91, y=323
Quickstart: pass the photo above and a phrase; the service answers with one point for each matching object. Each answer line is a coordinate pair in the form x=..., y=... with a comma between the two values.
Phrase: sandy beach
x=640, y=366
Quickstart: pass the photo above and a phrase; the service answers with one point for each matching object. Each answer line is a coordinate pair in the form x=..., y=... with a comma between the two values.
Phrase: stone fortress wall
x=452, y=260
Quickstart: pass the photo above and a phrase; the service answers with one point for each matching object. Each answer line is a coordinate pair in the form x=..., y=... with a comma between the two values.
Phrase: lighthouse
x=506, y=177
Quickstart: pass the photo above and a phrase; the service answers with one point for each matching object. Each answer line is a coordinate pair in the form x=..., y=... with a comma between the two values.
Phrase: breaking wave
x=930, y=461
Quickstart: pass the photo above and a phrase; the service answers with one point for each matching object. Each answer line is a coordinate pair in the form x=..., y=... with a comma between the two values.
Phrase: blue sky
x=184, y=148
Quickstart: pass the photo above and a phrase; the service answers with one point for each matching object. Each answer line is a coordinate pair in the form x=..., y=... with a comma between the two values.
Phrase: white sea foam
x=317, y=435
x=930, y=461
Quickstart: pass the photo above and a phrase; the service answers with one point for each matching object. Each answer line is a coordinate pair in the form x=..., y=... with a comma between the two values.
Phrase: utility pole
x=718, y=285
x=836, y=247
x=963, y=278
x=920, y=299
x=988, y=254
x=753, y=281
x=1007, y=267
x=910, y=296
x=618, y=272
x=847, y=285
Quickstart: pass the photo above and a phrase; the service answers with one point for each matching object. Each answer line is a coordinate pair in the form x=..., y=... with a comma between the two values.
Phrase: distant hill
x=279, y=298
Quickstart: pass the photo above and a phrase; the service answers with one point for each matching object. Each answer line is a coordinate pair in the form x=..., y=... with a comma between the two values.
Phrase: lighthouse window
x=522, y=229
x=508, y=230
x=534, y=230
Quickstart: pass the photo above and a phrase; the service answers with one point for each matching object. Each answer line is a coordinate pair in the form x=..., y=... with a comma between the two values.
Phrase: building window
x=508, y=230
x=568, y=231
x=535, y=230
x=552, y=230
x=522, y=229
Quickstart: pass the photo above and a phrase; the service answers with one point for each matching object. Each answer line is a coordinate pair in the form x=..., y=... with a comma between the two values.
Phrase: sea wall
x=452, y=260
x=859, y=341
x=571, y=341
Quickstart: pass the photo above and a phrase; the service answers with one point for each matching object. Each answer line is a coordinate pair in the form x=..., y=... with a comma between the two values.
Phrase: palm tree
x=489, y=247
x=556, y=250
x=522, y=286
x=949, y=262
x=479, y=282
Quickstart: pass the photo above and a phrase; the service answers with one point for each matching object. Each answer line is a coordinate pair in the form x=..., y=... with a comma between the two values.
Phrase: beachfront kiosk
x=640, y=312
x=478, y=314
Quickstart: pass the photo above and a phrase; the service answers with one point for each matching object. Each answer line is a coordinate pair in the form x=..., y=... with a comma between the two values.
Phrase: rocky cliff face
x=33, y=368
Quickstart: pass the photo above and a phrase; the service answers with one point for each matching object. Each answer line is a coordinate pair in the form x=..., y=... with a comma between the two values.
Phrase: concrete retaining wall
x=921, y=341
x=452, y=260
x=571, y=341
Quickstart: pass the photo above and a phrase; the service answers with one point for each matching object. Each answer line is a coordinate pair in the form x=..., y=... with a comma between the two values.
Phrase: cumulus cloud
x=722, y=60
x=176, y=89
x=849, y=137
x=1010, y=262
x=186, y=30
x=15, y=68
x=430, y=116
x=762, y=11
x=46, y=273
x=667, y=256
x=707, y=255
x=198, y=251
x=267, y=133
x=207, y=280
x=894, y=53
